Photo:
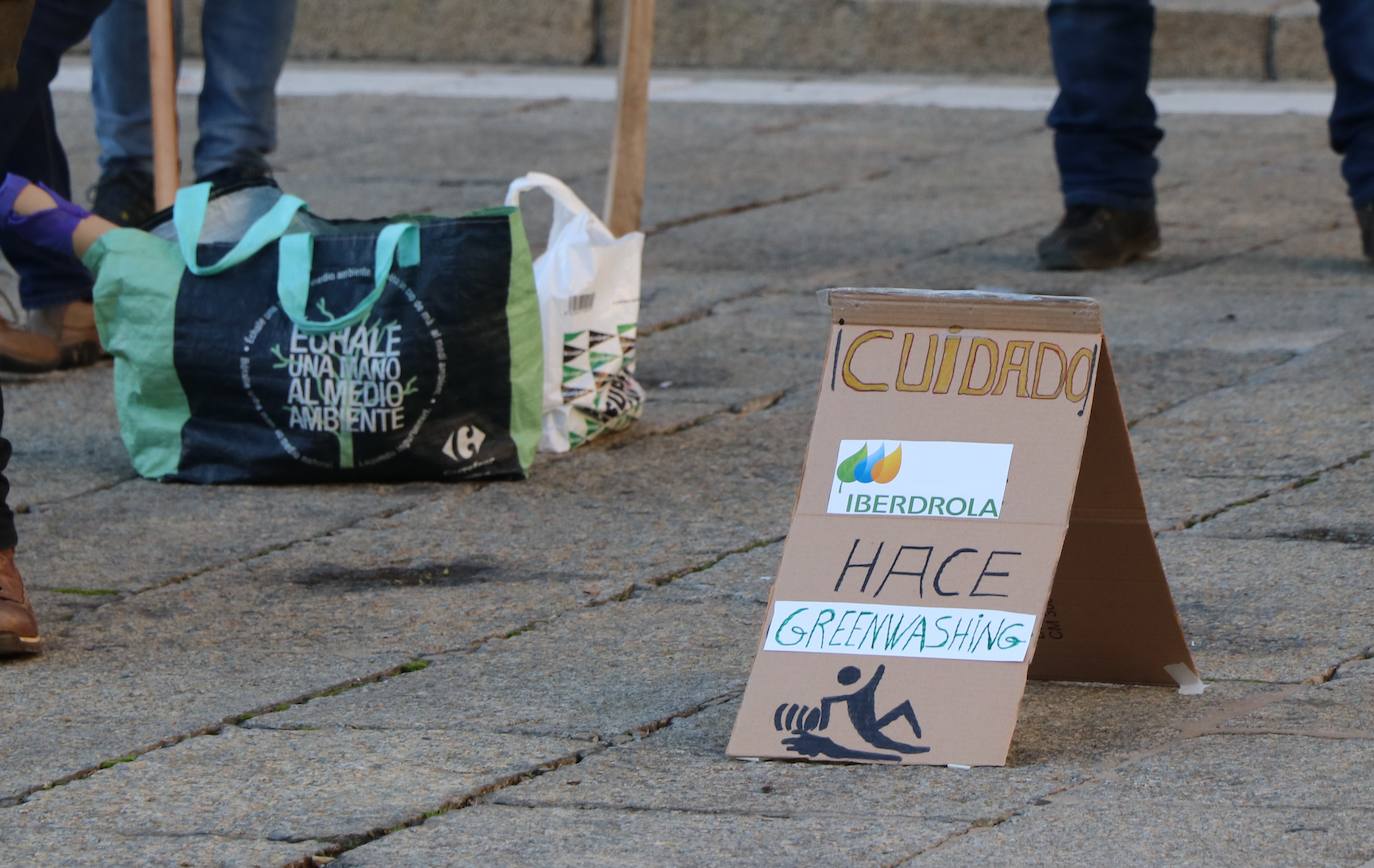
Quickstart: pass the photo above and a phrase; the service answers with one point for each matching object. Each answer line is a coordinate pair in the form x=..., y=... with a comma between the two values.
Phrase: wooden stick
x=625, y=186
x=162, y=80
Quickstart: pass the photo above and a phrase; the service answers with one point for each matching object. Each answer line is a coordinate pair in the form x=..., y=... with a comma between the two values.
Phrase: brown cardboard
x=968, y=459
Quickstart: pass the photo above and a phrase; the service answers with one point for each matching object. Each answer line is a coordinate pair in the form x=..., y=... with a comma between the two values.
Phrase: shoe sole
x=11, y=644
x=1073, y=263
x=73, y=356
x=82, y=354
x=11, y=365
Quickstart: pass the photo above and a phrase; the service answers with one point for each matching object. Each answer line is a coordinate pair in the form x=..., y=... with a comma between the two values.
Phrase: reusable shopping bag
x=257, y=342
x=588, y=282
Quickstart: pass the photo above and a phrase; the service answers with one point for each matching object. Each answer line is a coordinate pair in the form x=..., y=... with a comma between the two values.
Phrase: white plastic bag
x=588, y=282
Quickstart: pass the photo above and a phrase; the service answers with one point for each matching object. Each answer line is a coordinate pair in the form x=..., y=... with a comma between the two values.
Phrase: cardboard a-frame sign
x=969, y=516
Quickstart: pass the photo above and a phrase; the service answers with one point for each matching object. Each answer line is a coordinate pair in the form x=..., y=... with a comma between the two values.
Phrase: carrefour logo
x=920, y=478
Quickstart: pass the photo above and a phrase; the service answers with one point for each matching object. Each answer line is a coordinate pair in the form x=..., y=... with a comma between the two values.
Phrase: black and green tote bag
x=257, y=342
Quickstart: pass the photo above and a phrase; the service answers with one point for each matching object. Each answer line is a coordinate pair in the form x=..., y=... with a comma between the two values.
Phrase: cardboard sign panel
x=969, y=514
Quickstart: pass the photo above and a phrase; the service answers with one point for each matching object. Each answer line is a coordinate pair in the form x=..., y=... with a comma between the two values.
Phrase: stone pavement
x=545, y=672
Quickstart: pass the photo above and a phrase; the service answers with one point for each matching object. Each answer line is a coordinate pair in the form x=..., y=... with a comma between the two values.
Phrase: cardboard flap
x=973, y=309
x=1111, y=616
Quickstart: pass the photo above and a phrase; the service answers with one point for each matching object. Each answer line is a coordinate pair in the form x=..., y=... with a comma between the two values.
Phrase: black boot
x=1095, y=236
x=124, y=195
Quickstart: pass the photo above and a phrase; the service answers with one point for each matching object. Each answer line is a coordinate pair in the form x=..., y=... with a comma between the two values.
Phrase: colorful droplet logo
x=879, y=467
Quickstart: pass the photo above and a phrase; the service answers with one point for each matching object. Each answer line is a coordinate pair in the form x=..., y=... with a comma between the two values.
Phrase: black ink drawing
x=804, y=722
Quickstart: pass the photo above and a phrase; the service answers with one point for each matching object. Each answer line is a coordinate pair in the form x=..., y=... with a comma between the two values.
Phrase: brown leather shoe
x=18, y=626
x=56, y=337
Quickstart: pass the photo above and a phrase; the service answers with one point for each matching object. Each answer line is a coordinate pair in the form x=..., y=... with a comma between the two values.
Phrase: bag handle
x=188, y=215
x=567, y=204
x=398, y=243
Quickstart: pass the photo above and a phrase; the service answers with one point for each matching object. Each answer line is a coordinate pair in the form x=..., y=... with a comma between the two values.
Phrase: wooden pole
x=162, y=81
x=625, y=186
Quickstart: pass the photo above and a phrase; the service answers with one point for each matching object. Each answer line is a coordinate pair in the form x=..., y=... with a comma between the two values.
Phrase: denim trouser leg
x=119, y=84
x=245, y=44
x=1104, y=122
x=29, y=146
x=1348, y=26
x=245, y=47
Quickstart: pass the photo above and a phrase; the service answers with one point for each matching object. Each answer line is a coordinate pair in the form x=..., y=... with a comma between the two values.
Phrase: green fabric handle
x=398, y=243
x=188, y=215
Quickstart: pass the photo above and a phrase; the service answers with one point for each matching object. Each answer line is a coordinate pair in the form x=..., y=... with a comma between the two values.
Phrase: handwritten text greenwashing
x=899, y=631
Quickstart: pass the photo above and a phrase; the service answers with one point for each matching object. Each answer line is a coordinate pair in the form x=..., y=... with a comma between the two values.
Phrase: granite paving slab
x=322, y=785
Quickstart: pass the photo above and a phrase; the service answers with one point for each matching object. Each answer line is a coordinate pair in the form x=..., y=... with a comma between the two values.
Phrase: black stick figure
x=862, y=706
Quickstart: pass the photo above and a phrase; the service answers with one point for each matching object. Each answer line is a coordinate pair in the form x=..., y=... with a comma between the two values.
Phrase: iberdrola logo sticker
x=920, y=478
x=879, y=467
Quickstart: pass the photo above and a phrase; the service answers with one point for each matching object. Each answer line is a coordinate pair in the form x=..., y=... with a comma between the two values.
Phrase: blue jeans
x=29, y=146
x=245, y=44
x=1105, y=125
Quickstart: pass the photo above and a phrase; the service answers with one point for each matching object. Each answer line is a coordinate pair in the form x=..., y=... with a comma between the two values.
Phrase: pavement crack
x=1333, y=672
x=747, y=407
x=25, y=508
x=1232, y=254
x=832, y=187
x=700, y=313
x=757, y=204
x=119, y=597
x=1221, y=387
x=1324, y=734
x=644, y=809
x=622, y=595
x=669, y=578
x=1202, y=518
x=343, y=844
x=1210, y=724
x=1325, y=534
x=217, y=727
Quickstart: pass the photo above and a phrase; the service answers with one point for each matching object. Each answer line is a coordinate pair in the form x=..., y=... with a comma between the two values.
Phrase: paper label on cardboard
x=899, y=631
x=926, y=478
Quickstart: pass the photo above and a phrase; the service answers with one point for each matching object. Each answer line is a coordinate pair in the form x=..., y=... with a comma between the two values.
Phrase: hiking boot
x=124, y=196
x=63, y=336
x=1365, y=215
x=240, y=174
x=1095, y=236
x=18, y=626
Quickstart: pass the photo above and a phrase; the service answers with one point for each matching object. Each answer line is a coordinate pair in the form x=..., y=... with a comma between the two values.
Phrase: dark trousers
x=7, y=535
x=29, y=146
x=1105, y=126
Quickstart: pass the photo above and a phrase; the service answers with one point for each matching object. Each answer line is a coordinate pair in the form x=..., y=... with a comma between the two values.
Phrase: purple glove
x=51, y=229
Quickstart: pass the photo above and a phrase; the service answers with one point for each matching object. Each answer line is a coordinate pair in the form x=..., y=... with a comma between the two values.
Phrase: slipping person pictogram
x=803, y=722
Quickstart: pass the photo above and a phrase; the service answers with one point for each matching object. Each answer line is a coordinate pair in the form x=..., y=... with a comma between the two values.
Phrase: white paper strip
x=899, y=631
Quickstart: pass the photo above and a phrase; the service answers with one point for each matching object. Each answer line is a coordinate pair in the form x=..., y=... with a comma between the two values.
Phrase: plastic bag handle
x=398, y=243
x=188, y=215
x=560, y=193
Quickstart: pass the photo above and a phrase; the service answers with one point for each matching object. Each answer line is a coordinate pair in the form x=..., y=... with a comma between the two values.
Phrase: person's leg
x=245, y=47
x=1104, y=122
x=1348, y=26
x=123, y=110
x=18, y=626
x=1105, y=130
x=45, y=281
x=56, y=290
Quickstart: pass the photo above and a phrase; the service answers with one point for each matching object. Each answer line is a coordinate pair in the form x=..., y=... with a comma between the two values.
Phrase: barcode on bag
x=580, y=303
